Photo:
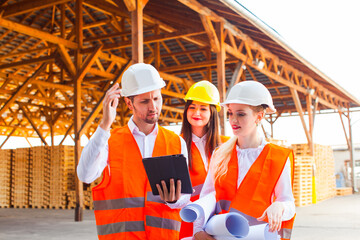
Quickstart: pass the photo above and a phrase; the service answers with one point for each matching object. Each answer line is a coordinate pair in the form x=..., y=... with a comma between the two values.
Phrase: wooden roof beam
x=209, y=28
x=274, y=76
x=67, y=60
x=299, y=109
x=28, y=62
x=53, y=85
x=36, y=33
x=33, y=124
x=28, y=6
x=172, y=94
x=21, y=89
x=152, y=39
x=96, y=110
x=196, y=6
x=203, y=64
x=21, y=53
x=106, y=8
x=111, y=9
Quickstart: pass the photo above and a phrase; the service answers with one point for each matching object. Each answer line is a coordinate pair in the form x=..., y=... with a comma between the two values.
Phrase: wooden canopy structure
x=58, y=58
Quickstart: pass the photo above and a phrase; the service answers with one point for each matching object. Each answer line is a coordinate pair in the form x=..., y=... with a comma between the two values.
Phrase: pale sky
x=325, y=33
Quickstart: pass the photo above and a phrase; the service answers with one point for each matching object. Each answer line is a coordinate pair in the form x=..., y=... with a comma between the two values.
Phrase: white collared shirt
x=94, y=157
x=200, y=144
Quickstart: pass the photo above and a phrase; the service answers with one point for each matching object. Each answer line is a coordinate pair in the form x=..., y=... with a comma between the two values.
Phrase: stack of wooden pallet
x=62, y=175
x=302, y=188
x=325, y=172
x=40, y=177
x=324, y=168
x=20, y=178
x=5, y=177
x=343, y=191
x=71, y=199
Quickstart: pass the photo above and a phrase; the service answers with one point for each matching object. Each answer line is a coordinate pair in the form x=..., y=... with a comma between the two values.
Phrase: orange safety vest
x=254, y=194
x=124, y=205
x=197, y=175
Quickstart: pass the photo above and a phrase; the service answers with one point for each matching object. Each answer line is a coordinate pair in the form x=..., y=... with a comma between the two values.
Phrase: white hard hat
x=140, y=78
x=251, y=93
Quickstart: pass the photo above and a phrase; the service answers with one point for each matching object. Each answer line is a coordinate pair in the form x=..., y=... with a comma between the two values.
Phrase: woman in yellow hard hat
x=200, y=130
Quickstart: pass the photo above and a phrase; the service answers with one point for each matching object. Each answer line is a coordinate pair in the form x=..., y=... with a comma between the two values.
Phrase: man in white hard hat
x=124, y=204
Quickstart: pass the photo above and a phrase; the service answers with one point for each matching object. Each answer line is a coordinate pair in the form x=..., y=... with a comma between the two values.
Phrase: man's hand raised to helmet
x=110, y=104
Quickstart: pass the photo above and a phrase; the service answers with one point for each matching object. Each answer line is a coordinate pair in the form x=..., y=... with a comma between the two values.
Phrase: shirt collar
x=196, y=139
x=135, y=130
x=261, y=146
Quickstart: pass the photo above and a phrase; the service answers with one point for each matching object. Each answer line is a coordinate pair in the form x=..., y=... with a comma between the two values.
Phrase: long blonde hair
x=221, y=157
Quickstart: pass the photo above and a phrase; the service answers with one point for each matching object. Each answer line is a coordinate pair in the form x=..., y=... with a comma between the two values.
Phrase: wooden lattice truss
x=58, y=58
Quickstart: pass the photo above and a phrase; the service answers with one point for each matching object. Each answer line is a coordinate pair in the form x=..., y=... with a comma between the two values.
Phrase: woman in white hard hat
x=200, y=130
x=248, y=175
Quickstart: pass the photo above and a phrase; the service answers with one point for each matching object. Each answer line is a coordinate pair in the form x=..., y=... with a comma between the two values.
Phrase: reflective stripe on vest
x=222, y=205
x=163, y=223
x=252, y=221
x=119, y=227
x=285, y=233
x=197, y=190
x=150, y=197
x=119, y=203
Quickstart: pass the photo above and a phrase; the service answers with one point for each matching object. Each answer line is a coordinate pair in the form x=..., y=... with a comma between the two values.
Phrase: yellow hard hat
x=205, y=92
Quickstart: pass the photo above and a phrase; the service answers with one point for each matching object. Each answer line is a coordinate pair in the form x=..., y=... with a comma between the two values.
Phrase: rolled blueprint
x=256, y=232
x=228, y=225
x=203, y=207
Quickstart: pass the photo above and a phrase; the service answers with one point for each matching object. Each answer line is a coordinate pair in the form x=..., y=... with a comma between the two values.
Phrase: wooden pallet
x=40, y=177
x=20, y=178
x=344, y=191
x=62, y=175
x=324, y=168
x=302, y=187
x=5, y=177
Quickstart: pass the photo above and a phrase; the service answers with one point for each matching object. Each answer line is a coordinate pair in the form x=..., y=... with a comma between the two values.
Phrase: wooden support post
x=316, y=104
x=33, y=124
x=352, y=154
x=272, y=126
x=157, y=59
x=7, y=138
x=137, y=37
x=209, y=71
x=52, y=123
x=220, y=63
x=263, y=129
x=299, y=109
x=343, y=125
x=311, y=121
x=239, y=69
x=77, y=109
x=66, y=134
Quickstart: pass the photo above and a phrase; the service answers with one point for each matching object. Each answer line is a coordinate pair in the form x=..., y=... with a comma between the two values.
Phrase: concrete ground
x=336, y=218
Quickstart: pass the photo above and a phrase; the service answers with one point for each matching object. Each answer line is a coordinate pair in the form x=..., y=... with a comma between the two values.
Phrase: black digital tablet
x=165, y=168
